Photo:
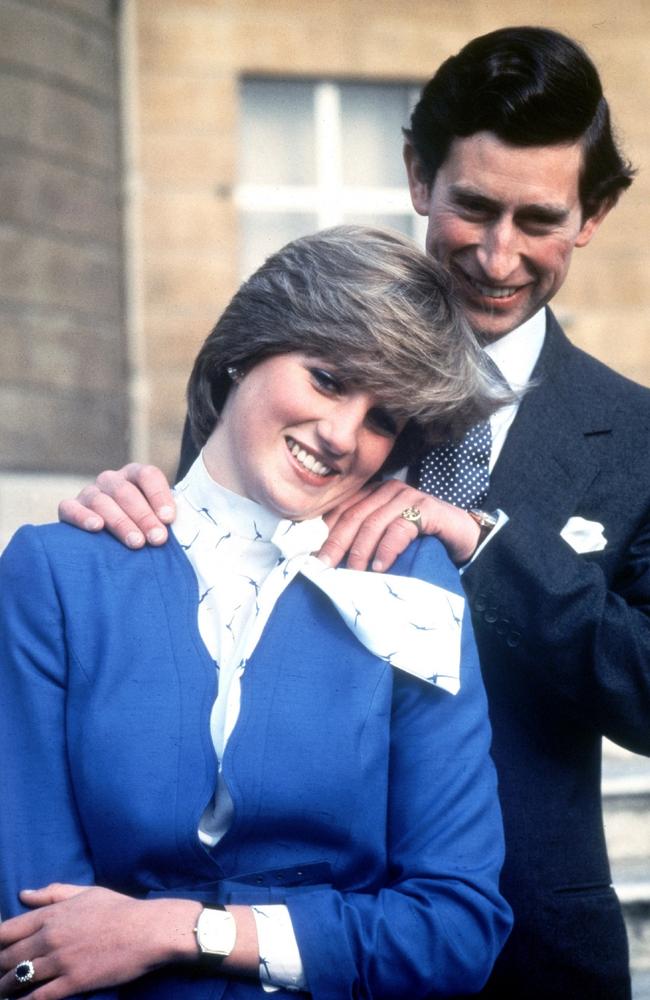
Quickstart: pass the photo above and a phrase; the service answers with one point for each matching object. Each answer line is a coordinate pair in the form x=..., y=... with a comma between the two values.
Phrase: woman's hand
x=81, y=939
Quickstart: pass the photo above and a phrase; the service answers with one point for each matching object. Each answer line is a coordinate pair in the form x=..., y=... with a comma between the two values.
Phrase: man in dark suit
x=511, y=157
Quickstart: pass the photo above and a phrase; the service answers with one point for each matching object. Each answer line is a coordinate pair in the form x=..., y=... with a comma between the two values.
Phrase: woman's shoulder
x=62, y=539
x=69, y=551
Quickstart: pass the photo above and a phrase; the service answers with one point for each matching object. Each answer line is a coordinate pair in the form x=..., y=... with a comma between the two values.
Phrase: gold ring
x=412, y=514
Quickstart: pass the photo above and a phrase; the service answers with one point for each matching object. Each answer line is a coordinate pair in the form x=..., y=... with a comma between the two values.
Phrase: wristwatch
x=216, y=933
x=485, y=522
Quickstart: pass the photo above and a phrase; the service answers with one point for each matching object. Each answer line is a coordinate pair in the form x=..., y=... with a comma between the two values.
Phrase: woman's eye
x=382, y=422
x=326, y=381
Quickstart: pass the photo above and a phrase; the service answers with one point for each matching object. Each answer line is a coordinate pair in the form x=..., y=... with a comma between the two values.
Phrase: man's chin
x=491, y=323
x=488, y=328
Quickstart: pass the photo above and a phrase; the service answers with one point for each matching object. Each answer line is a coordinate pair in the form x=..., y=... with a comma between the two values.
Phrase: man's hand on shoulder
x=133, y=503
x=370, y=528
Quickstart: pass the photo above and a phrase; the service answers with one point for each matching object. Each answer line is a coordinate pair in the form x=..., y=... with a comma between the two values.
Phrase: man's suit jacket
x=363, y=797
x=564, y=643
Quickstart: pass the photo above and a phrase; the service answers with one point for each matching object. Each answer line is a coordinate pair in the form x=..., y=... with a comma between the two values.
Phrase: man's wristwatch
x=216, y=933
x=485, y=522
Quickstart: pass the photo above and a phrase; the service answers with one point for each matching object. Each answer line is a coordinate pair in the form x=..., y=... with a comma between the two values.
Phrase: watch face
x=216, y=932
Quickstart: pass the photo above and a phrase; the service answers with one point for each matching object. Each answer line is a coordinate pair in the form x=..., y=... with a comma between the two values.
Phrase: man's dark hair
x=530, y=87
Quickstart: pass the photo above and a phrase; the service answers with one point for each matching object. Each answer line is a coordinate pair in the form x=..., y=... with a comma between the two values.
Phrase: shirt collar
x=517, y=352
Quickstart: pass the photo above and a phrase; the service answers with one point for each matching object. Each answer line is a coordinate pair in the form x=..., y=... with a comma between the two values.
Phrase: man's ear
x=592, y=223
x=419, y=187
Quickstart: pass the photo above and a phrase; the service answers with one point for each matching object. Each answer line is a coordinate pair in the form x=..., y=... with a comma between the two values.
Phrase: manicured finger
x=76, y=513
x=396, y=539
x=333, y=516
x=346, y=521
x=153, y=485
x=55, y=892
x=126, y=513
x=112, y=517
x=371, y=548
x=141, y=503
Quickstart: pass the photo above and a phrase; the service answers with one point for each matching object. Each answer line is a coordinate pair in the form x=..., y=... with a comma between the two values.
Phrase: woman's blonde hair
x=373, y=304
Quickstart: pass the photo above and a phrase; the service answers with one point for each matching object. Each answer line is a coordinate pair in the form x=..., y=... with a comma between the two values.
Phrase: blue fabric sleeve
x=41, y=834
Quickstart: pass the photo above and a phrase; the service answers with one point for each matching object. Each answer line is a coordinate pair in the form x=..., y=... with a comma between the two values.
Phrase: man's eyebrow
x=545, y=211
x=463, y=193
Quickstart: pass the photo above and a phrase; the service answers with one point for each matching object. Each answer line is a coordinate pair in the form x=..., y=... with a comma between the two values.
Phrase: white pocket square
x=583, y=535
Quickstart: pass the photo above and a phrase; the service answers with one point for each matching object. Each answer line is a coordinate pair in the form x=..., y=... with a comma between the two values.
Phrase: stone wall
x=63, y=356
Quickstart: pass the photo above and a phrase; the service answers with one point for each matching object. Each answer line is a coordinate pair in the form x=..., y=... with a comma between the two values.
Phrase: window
x=315, y=154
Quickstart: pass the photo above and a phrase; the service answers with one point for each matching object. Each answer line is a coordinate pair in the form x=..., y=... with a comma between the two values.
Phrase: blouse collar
x=247, y=518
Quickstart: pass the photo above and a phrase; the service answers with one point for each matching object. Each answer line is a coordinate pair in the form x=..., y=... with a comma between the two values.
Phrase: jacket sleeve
x=437, y=925
x=41, y=833
x=540, y=607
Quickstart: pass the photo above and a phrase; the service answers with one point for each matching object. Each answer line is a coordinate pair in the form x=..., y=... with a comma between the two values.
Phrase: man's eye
x=326, y=381
x=537, y=226
x=382, y=422
x=474, y=211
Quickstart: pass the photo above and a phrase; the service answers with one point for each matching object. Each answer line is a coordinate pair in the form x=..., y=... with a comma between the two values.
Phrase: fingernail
x=134, y=539
x=92, y=524
x=377, y=566
x=166, y=513
x=27, y=890
x=156, y=535
x=326, y=561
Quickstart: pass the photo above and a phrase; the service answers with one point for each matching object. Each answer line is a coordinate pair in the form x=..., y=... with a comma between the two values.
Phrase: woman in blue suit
x=226, y=768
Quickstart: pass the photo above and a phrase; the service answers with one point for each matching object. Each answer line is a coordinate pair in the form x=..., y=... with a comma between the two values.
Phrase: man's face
x=504, y=219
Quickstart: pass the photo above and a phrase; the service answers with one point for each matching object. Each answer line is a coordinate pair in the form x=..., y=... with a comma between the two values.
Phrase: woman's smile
x=309, y=462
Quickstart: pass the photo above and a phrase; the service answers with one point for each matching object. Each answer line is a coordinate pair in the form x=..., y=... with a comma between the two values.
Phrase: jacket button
x=502, y=626
x=513, y=639
x=491, y=615
x=480, y=602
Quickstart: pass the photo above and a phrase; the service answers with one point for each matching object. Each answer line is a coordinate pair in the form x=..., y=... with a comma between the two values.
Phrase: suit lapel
x=546, y=458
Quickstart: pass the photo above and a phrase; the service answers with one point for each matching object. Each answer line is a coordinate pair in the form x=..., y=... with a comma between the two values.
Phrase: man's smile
x=488, y=291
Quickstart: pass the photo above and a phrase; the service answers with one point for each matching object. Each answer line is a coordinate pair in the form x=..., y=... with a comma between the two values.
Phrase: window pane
x=263, y=233
x=277, y=133
x=403, y=223
x=372, y=119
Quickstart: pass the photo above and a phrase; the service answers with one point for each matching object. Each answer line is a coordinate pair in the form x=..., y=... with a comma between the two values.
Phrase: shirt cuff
x=280, y=962
x=502, y=519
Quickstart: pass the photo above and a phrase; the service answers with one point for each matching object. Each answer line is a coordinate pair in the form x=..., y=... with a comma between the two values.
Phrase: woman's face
x=293, y=437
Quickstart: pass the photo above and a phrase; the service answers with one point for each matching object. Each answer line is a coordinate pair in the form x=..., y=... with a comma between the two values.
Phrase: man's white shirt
x=515, y=355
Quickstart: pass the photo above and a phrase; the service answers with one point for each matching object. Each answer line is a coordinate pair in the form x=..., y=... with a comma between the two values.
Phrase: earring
x=234, y=373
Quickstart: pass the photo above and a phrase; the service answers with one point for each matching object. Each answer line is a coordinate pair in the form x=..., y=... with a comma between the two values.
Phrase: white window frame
x=329, y=199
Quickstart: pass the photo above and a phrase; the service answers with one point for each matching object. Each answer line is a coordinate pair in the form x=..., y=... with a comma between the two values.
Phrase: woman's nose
x=340, y=427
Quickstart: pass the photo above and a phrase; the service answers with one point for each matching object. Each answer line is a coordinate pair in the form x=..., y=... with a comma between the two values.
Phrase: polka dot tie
x=459, y=472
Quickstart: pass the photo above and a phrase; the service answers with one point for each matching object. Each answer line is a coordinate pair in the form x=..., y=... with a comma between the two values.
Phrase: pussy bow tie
x=411, y=624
